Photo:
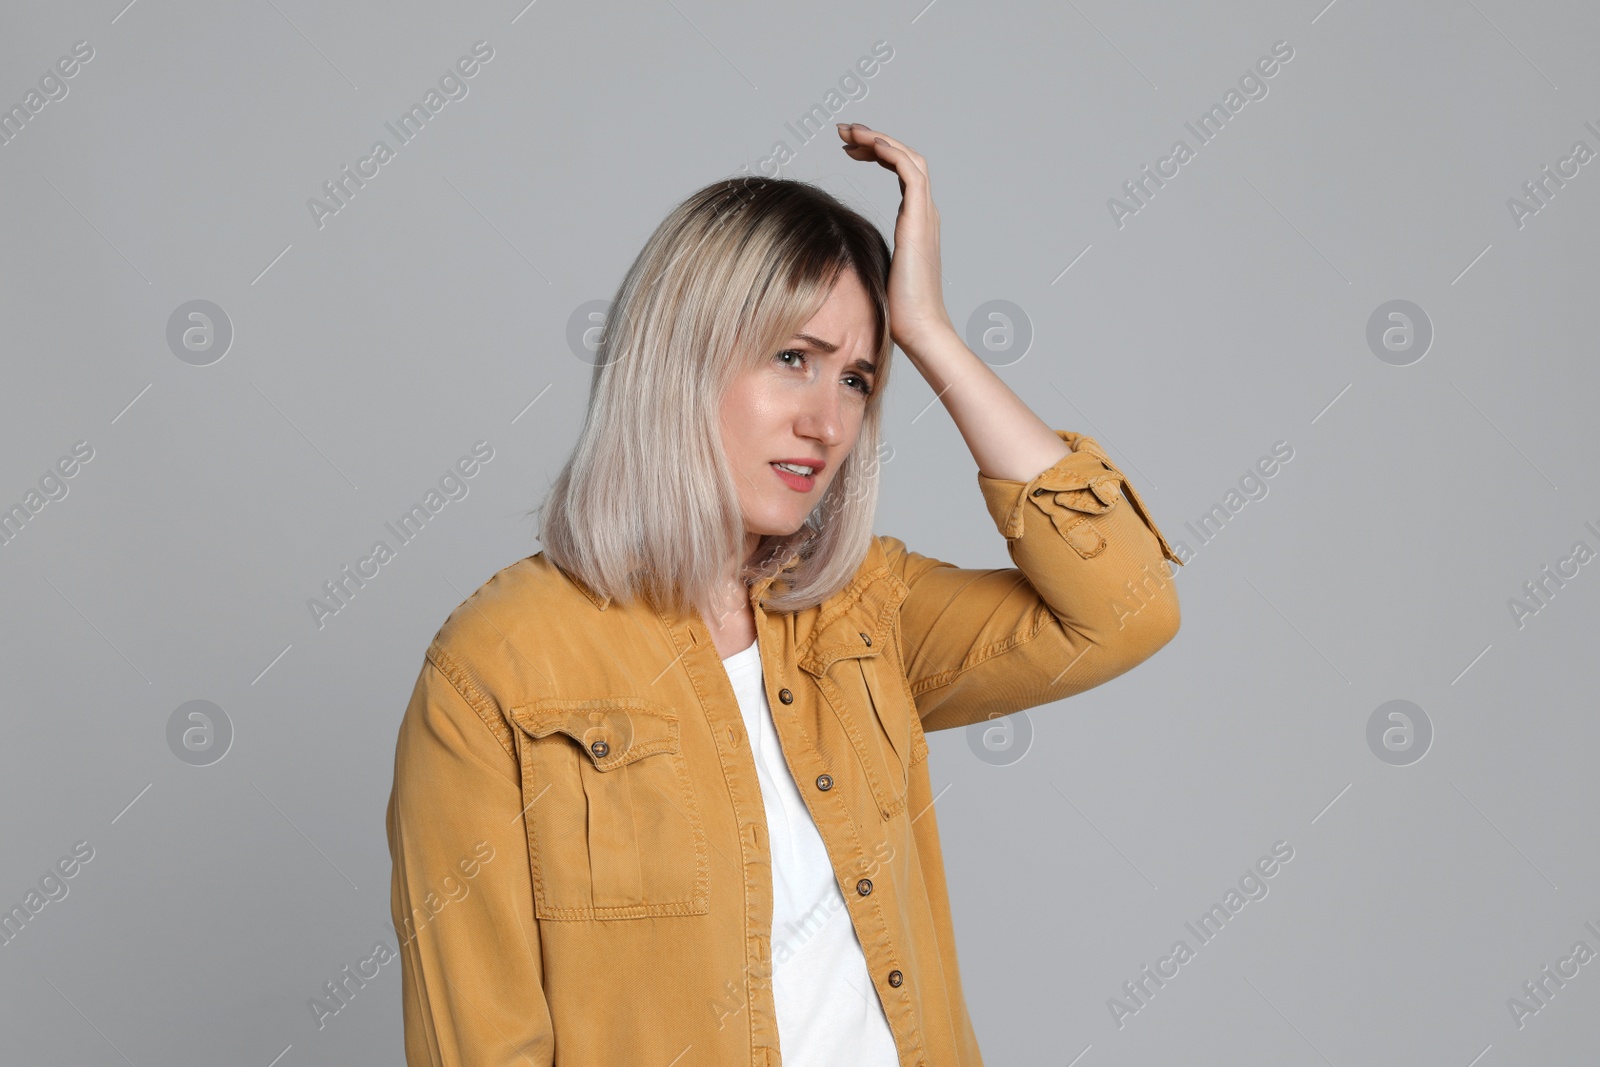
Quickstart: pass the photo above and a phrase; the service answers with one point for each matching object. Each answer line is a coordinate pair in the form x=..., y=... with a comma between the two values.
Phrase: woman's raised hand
x=917, y=316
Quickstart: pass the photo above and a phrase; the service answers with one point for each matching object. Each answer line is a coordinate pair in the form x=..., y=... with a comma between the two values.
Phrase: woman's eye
x=858, y=383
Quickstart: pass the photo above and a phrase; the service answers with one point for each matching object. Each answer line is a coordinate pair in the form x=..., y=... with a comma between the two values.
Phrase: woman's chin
x=773, y=526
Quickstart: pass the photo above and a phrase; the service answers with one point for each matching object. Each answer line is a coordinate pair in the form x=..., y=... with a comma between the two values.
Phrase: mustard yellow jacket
x=581, y=869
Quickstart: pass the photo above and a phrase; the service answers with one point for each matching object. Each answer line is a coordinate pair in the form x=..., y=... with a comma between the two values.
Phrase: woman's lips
x=803, y=484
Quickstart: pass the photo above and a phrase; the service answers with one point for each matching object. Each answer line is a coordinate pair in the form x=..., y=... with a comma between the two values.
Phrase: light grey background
x=1229, y=313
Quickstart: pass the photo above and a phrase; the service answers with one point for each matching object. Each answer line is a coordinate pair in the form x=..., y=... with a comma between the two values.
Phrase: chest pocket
x=613, y=828
x=858, y=668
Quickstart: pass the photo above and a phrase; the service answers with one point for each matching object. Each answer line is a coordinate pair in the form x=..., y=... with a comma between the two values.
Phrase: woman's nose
x=823, y=419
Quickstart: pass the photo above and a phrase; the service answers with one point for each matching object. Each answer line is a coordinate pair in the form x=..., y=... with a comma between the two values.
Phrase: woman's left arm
x=1006, y=438
x=979, y=643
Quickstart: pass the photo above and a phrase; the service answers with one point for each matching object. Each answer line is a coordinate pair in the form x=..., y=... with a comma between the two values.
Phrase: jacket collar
x=595, y=598
x=858, y=621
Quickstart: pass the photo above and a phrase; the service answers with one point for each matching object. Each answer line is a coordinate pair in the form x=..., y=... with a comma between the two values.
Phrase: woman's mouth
x=797, y=476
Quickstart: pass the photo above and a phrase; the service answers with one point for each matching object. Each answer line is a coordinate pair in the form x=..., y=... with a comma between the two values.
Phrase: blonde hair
x=647, y=503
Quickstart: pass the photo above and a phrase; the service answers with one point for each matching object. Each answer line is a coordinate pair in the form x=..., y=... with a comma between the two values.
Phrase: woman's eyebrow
x=817, y=342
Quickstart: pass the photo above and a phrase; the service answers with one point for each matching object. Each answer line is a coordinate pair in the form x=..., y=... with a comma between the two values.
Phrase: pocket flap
x=1091, y=494
x=611, y=731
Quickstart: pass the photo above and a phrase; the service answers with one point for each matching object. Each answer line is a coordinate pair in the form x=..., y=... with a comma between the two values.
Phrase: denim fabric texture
x=599, y=751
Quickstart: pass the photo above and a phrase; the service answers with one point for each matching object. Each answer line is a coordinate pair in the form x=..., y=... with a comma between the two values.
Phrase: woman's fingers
x=861, y=133
x=863, y=142
x=857, y=133
x=916, y=198
x=916, y=303
x=890, y=154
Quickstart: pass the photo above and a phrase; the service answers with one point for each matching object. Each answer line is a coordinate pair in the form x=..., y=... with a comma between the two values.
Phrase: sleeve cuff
x=1083, y=482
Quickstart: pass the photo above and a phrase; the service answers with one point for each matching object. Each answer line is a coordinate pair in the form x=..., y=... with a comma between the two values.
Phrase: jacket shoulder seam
x=474, y=697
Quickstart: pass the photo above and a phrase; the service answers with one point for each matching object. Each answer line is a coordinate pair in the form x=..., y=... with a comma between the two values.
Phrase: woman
x=661, y=794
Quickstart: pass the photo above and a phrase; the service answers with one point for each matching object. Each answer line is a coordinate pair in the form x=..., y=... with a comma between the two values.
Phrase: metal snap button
x=785, y=696
x=1039, y=492
x=896, y=978
x=824, y=782
x=864, y=887
x=599, y=748
x=868, y=639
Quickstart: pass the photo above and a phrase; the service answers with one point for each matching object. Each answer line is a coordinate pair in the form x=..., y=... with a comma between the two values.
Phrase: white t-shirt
x=828, y=1011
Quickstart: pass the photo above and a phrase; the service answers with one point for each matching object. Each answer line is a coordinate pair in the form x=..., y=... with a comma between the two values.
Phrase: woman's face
x=803, y=406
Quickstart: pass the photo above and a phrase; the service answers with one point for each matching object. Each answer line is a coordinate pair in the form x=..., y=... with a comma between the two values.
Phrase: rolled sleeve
x=1089, y=598
x=1083, y=482
x=1095, y=560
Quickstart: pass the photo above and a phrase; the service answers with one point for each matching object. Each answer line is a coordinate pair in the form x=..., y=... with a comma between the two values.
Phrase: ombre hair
x=647, y=503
